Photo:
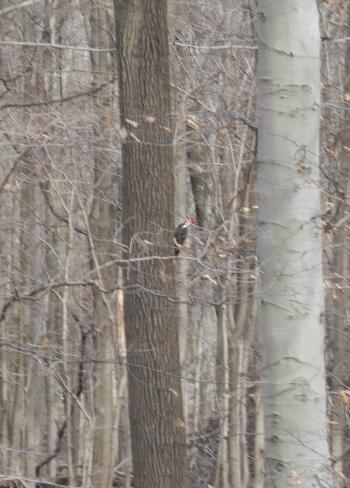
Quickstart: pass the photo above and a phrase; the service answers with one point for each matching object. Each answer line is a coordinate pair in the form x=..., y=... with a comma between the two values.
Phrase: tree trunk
x=155, y=402
x=339, y=300
x=289, y=244
x=102, y=226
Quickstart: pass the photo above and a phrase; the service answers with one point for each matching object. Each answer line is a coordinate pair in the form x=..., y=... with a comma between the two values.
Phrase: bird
x=181, y=233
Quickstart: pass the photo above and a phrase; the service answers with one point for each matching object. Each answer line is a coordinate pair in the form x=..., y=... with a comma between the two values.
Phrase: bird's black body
x=180, y=235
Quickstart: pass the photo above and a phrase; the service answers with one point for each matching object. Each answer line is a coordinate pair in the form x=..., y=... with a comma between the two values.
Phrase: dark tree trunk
x=155, y=401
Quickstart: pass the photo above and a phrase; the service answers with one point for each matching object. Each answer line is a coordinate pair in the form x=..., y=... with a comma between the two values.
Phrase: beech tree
x=289, y=243
x=155, y=402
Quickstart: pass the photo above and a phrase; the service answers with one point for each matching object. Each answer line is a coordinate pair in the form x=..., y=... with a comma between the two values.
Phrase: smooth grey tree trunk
x=289, y=244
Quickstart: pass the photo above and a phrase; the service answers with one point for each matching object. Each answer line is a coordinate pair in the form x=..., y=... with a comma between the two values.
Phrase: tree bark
x=339, y=300
x=102, y=227
x=289, y=244
x=155, y=402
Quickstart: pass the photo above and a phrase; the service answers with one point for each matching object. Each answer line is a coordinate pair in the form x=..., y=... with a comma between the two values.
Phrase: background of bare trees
x=63, y=396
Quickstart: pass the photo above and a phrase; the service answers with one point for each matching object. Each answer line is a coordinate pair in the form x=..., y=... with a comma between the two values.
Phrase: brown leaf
x=150, y=119
x=159, y=266
x=209, y=278
x=300, y=167
x=330, y=153
x=294, y=480
x=134, y=137
x=45, y=343
x=167, y=129
x=193, y=122
x=179, y=423
x=123, y=133
x=132, y=123
x=345, y=397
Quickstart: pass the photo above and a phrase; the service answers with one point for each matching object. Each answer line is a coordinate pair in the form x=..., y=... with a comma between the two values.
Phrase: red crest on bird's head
x=191, y=220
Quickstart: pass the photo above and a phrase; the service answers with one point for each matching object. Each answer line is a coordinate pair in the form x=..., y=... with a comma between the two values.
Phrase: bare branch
x=56, y=46
x=52, y=209
x=12, y=169
x=90, y=92
x=214, y=48
x=26, y=3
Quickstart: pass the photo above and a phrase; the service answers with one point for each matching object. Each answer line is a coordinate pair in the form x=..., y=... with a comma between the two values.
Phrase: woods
x=132, y=358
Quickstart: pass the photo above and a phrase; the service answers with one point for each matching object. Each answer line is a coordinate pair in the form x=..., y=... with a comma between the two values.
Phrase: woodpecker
x=181, y=233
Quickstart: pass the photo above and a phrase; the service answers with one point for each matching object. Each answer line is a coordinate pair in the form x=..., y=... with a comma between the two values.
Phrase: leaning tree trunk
x=155, y=403
x=289, y=243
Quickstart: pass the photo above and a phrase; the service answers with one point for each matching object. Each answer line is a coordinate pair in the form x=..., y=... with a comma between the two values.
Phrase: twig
x=90, y=92
x=11, y=8
x=12, y=169
x=56, y=46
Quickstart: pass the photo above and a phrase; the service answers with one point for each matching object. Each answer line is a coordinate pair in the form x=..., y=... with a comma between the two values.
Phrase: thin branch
x=11, y=8
x=12, y=169
x=56, y=46
x=22, y=481
x=215, y=47
x=90, y=92
x=58, y=216
x=33, y=295
x=76, y=395
x=50, y=457
x=230, y=45
x=208, y=111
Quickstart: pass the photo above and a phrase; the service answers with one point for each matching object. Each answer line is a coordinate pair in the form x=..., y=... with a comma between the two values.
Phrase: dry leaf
x=150, y=119
x=123, y=133
x=192, y=121
x=11, y=184
x=179, y=423
x=345, y=397
x=299, y=166
x=247, y=242
x=294, y=480
x=209, y=278
x=221, y=254
x=167, y=129
x=134, y=137
x=219, y=139
x=159, y=266
x=132, y=123
x=331, y=154
x=45, y=343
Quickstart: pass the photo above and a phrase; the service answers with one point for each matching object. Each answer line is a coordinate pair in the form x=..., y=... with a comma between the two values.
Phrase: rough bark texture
x=155, y=403
x=289, y=243
x=338, y=330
